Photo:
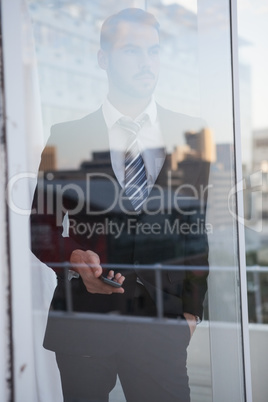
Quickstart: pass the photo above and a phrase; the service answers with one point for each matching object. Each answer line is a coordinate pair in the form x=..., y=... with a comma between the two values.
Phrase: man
x=134, y=220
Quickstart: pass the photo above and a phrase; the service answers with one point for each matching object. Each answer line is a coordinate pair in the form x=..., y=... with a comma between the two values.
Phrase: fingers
x=82, y=259
x=93, y=260
x=96, y=285
x=106, y=288
x=87, y=264
x=110, y=290
x=110, y=274
x=117, y=277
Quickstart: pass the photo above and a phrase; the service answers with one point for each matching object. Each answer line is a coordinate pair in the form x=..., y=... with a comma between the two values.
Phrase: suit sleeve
x=49, y=206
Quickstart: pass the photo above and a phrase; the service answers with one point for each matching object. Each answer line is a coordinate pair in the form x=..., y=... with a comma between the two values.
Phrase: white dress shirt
x=150, y=142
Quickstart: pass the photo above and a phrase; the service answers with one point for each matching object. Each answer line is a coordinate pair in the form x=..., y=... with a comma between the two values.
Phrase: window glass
x=136, y=187
x=252, y=30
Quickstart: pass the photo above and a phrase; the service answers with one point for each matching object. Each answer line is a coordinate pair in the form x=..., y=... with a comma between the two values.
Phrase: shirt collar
x=112, y=115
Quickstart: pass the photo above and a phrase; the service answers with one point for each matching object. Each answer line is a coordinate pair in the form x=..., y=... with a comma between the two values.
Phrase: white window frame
x=239, y=200
x=21, y=303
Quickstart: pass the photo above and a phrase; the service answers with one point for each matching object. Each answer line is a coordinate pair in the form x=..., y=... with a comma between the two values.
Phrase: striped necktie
x=135, y=174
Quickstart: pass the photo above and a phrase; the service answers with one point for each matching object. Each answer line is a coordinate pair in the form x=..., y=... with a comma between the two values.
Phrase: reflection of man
x=149, y=358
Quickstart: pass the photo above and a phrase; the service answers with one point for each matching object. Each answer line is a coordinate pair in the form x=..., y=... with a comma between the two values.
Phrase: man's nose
x=145, y=60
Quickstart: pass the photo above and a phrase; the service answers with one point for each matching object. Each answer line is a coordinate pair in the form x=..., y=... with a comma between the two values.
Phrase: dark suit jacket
x=157, y=236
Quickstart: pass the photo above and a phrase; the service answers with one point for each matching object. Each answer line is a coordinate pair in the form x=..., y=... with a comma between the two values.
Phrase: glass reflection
x=86, y=180
x=122, y=194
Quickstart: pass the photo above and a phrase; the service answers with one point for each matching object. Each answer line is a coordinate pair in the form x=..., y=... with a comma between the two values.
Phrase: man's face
x=133, y=60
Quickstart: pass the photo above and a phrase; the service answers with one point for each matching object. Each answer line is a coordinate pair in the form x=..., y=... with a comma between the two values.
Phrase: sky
x=253, y=26
x=189, y=4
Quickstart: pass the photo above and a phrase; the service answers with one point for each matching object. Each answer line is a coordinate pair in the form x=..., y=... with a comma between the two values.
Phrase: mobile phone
x=110, y=282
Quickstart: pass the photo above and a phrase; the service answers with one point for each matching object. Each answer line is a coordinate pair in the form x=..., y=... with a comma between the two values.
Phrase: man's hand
x=87, y=264
x=191, y=320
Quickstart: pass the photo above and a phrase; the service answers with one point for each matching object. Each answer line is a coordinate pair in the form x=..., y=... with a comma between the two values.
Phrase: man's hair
x=110, y=25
